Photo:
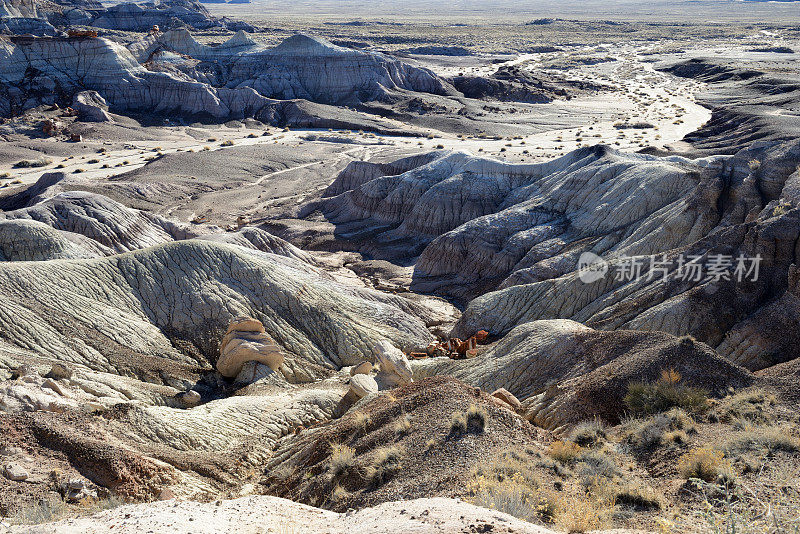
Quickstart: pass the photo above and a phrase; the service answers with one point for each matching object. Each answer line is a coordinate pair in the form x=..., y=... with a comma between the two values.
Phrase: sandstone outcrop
x=362, y=385
x=394, y=367
x=506, y=396
x=91, y=107
x=77, y=224
x=246, y=341
x=26, y=26
x=302, y=66
x=363, y=368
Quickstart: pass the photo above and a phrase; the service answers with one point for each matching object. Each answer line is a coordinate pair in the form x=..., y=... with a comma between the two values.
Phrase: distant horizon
x=509, y=11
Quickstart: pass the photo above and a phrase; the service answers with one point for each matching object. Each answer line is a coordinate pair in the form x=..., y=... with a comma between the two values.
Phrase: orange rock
x=481, y=336
x=469, y=344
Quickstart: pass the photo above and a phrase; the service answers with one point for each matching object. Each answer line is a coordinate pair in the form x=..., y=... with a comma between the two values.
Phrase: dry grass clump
x=458, y=423
x=403, y=425
x=588, y=433
x=565, y=452
x=665, y=393
x=746, y=407
x=342, y=459
x=385, y=463
x=361, y=421
x=33, y=163
x=638, y=496
x=338, y=493
x=766, y=440
x=476, y=419
x=49, y=509
x=473, y=420
x=671, y=427
x=706, y=463
x=582, y=514
x=43, y=511
x=227, y=142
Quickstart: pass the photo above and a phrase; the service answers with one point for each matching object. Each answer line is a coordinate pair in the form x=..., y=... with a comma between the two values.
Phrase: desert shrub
x=660, y=429
x=782, y=208
x=588, y=433
x=514, y=495
x=342, y=459
x=5, y=175
x=476, y=419
x=32, y=163
x=768, y=440
x=582, y=514
x=44, y=510
x=665, y=393
x=678, y=437
x=705, y=463
x=565, y=452
x=508, y=483
x=93, y=161
x=227, y=142
x=48, y=509
x=385, y=463
x=592, y=466
x=78, y=171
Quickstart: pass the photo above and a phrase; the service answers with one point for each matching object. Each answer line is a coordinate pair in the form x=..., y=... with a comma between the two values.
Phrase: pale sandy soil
x=642, y=95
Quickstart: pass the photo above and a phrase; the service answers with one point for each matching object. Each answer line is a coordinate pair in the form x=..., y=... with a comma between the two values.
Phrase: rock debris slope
x=560, y=369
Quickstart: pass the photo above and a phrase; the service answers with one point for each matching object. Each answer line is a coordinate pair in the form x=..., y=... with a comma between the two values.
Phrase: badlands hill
x=223, y=306
x=152, y=77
